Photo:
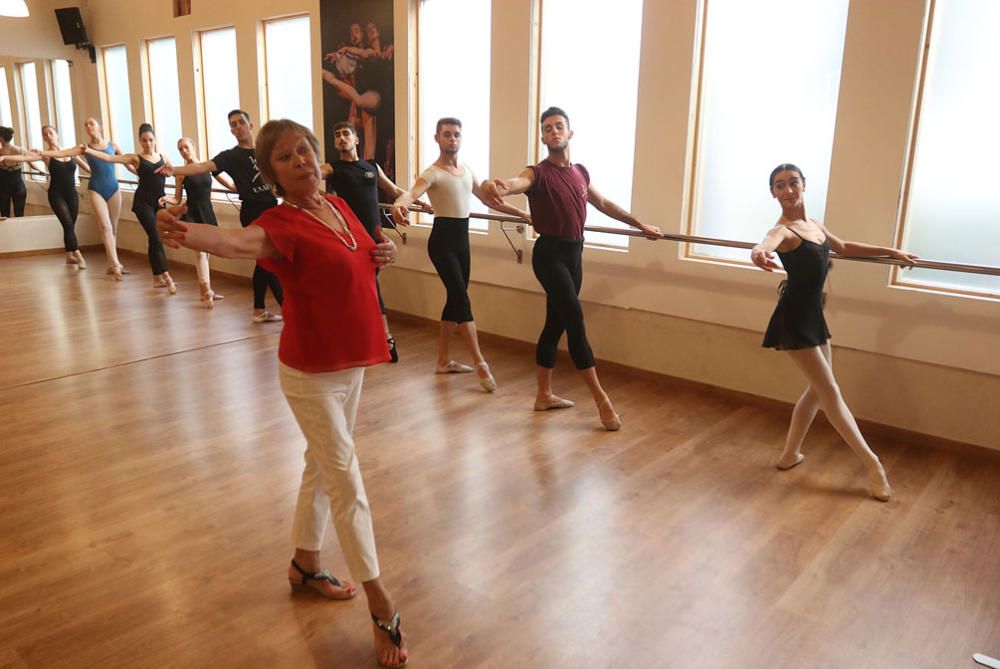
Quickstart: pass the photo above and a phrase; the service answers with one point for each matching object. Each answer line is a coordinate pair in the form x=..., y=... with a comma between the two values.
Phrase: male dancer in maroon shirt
x=558, y=191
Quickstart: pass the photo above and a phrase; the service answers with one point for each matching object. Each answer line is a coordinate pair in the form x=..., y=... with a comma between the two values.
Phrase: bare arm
x=188, y=170
x=606, y=206
x=65, y=153
x=32, y=159
x=249, y=242
x=849, y=248
x=495, y=189
x=225, y=183
x=178, y=192
x=762, y=255
x=127, y=159
x=402, y=204
x=386, y=185
x=503, y=207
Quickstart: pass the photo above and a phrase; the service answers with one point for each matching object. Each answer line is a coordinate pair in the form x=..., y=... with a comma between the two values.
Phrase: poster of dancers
x=357, y=71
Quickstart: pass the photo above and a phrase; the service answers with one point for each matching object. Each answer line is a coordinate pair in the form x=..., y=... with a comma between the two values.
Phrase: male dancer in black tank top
x=358, y=182
x=240, y=163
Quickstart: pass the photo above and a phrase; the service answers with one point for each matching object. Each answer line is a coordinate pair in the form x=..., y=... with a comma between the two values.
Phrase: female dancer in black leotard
x=63, y=198
x=798, y=326
x=12, y=190
x=147, y=199
x=199, y=210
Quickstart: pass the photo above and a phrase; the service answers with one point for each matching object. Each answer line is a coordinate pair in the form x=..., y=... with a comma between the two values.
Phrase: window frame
x=262, y=77
x=897, y=278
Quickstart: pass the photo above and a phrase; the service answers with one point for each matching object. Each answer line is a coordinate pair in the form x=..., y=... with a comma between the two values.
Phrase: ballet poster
x=357, y=71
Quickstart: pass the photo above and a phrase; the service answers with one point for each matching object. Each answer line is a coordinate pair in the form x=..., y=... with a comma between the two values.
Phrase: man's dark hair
x=345, y=124
x=240, y=112
x=554, y=111
x=447, y=120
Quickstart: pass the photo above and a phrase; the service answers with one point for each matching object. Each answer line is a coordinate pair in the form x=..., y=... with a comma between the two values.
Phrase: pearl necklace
x=351, y=245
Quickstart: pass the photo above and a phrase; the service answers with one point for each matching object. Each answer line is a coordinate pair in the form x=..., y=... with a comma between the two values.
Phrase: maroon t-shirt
x=558, y=200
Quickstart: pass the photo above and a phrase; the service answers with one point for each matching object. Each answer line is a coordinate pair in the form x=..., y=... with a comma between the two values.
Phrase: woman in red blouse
x=333, y=330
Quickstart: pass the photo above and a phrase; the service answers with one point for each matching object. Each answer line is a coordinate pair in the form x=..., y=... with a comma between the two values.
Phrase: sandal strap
x=321, y=575
x=391, y=628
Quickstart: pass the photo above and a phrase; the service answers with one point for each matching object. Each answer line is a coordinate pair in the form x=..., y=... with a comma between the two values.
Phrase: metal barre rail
x=988, y=270
x=129, y=182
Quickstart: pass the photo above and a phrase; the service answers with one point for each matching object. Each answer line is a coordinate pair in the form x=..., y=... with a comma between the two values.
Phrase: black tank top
x=62, y=175
x=198, y=188
x=151, y=184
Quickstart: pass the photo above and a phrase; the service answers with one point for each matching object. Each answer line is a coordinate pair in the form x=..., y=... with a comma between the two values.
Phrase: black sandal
x=321, y=575
x=393, y=356
x=392, y=631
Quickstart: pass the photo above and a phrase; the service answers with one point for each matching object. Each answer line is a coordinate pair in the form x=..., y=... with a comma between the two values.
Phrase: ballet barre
x=127, y=182
x=988, y=270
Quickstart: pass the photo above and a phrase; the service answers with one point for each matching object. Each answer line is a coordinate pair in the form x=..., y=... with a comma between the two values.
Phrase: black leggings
x=12, y=190
x=558, y=265
x=448, y=248
x=66, y=206
x=146, y=213
x=262, y=279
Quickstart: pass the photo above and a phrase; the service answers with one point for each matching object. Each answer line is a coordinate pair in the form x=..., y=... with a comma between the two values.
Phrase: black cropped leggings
x=66, y=205
x=12, y=190
x=558, y=265
x=262, y=279
x=448, y=248
x=146, y=214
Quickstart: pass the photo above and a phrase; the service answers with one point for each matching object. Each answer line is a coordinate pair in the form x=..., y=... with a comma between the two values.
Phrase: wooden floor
x=149, y=464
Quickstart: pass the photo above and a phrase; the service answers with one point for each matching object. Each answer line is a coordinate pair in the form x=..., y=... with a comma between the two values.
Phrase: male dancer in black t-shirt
x=358, y=182
x=256, y=197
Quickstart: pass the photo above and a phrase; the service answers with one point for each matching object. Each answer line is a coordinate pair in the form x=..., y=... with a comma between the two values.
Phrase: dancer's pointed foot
x=81, y=262
x=609, y=417
x=452, y=367
x=552, y=402
x=878, y=484
x=486, y=379
x=171, y=286
x=788, y=461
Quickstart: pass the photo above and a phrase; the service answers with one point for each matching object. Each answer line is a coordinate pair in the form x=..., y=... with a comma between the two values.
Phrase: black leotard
x=798, y=320
x=199, y=199
x=145, y=203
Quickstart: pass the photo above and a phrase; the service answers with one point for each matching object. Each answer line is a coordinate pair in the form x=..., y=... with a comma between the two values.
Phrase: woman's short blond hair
x=266, y=140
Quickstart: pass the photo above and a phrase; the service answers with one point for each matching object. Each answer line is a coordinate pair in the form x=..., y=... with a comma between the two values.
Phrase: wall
x=912, y=359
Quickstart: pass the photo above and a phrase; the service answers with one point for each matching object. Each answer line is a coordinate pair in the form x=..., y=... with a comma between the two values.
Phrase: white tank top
x=449, y=194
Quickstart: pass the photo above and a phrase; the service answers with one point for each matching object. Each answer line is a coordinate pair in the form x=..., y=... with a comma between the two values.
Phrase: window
x=599, y=88
x=6, y=115
x=118, y=104
x=220, y=91
x=29, y=104
x=956, y=138
x=756, y=57
x=65, y=122
x=164, y=96
x=453, y=66
x=288, y=70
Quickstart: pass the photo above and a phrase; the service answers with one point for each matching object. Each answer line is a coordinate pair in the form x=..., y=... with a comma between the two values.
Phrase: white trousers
x=325, y=406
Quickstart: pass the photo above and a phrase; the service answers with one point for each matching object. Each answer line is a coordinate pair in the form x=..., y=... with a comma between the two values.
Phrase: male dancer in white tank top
x=449, y=184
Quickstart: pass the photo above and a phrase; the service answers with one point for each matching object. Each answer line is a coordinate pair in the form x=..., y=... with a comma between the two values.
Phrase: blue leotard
x=102, y=174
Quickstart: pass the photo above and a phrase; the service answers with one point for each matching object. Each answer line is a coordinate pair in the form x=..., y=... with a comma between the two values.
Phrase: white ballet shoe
x=488, y=383
x=266, y=317
x=610, y=419
x=553, y=403
x=785, y=466
x=452, y=367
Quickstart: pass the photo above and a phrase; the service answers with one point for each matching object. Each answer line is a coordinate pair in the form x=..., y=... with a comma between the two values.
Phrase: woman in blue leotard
x=147, y=199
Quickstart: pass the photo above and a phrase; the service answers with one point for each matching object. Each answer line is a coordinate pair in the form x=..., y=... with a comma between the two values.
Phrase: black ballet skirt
x=798, y=320
x=199, y=199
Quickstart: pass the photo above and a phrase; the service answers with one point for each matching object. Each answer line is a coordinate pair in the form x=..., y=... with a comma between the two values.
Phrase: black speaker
x=71, y=26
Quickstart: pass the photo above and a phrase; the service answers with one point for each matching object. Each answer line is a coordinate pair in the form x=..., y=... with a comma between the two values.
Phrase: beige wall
x=916, y=360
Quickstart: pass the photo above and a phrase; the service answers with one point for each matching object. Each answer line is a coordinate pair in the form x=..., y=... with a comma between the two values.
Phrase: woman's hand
x=384, y=253
x=905, y=256
x=172, y=230
x=764, y=259
x=399, y=213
